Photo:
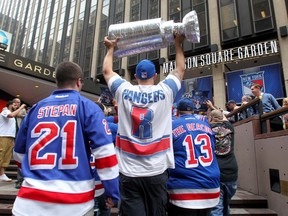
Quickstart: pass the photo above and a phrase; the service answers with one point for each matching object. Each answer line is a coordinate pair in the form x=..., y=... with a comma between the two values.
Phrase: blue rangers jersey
x=195, y=181
x=99, y=189
x=144, y=140
x=54, y=144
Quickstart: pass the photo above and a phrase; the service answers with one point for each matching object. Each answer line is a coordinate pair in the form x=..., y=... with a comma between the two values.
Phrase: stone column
x=282, y=20
x=217, y=70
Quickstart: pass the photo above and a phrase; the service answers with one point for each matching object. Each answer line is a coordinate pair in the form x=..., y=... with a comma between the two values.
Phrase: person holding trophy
x=143, y=145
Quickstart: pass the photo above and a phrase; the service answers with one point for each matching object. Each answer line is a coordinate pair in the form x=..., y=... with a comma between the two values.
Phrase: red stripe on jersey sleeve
x=143, y=150
x=55, y=197
x=18, y=164
x=98, y=186
x=192, y=196
x=106, y=162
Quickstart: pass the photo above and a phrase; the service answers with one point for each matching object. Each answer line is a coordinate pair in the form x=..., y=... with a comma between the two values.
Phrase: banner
x=106, y=96
x=248, y=79
x=198, y=90
x=269, y=76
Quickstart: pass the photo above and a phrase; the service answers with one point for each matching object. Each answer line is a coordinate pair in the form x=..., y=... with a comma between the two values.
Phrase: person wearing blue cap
x=194, y=185
x=143, y=144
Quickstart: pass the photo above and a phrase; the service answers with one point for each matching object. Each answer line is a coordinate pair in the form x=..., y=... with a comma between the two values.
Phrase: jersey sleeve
x=5, y=113
x=20, y=142
x=173, y=83
x=114, y=83
x=103, y=150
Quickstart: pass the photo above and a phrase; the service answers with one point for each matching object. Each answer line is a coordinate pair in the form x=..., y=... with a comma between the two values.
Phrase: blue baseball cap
x=185, y=104
x=145, y=69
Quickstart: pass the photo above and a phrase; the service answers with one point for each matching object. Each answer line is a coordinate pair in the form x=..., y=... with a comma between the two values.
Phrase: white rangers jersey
x=144, y=140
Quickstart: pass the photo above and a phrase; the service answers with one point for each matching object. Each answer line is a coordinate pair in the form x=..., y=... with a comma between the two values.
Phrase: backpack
x=223, y=136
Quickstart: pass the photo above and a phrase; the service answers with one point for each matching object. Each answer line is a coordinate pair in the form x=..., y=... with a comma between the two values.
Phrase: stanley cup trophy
x=147, y=35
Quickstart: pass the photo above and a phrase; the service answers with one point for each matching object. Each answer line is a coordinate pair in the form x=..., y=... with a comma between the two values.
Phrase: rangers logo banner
x=269, y=76
x=248, y=79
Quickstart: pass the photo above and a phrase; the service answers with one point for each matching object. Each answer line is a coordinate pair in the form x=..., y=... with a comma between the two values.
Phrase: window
x=153, y=13
x=200, y=6
x=228, y=20
x=90, y=38
x=103, y=32
x=106, y=20
x=262, y=18
x=134, y=16
x=178, y=9
x=175, y=15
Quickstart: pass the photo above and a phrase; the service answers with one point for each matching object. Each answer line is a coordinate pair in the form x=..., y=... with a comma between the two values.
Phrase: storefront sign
x=26, y=66
x=224, y=56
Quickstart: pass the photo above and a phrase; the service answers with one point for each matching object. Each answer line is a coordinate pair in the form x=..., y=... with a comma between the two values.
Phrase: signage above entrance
x=224, y=56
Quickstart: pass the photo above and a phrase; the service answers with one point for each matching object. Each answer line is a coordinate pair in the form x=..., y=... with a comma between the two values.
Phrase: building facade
x=241, y=41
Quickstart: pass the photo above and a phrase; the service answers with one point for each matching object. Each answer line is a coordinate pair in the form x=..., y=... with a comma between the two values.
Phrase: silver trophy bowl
x=153, y=34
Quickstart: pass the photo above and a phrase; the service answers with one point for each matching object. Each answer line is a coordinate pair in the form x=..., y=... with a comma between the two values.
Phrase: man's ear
x=79, y=83
x=155, y=76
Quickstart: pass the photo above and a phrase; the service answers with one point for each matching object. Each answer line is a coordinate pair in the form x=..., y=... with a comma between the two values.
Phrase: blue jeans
x=227, y=191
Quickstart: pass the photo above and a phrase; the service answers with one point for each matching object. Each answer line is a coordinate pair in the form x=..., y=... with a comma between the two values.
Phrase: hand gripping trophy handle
x=147, y=35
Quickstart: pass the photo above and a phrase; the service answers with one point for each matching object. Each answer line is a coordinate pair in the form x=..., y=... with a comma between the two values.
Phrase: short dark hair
x=231, y=102
x=256, y=85
x=14, y=99
x=67, y=72
x=9, y=103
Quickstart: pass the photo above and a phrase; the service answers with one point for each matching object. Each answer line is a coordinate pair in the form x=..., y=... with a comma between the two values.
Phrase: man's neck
x=146, y=82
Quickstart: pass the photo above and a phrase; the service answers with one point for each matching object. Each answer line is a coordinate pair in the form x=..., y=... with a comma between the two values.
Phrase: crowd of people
x=75, y=159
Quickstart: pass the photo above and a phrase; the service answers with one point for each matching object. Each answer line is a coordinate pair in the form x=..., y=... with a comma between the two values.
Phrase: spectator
x=19, y=119
x=224, y=150
x=249, y=111
x=231, y=105
x=285, y=116
x=143, y=144
x=246, y=99
x=110, y=121
x=21, y=114
x=7, y=136
x=269, y=104
x=54, y=145
x=211, y=107
x=194, y=184
x=100, y=207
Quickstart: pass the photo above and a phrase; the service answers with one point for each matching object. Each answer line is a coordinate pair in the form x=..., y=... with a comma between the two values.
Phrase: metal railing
x=263, y=117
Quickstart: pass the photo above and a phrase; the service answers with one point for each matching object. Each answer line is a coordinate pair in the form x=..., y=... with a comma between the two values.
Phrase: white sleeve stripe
x=18, y=156
x=60, y=185
x=108, y=173
x=104, y=151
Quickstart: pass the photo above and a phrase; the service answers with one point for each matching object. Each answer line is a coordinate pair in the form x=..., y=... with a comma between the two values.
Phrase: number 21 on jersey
x=47, y=132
